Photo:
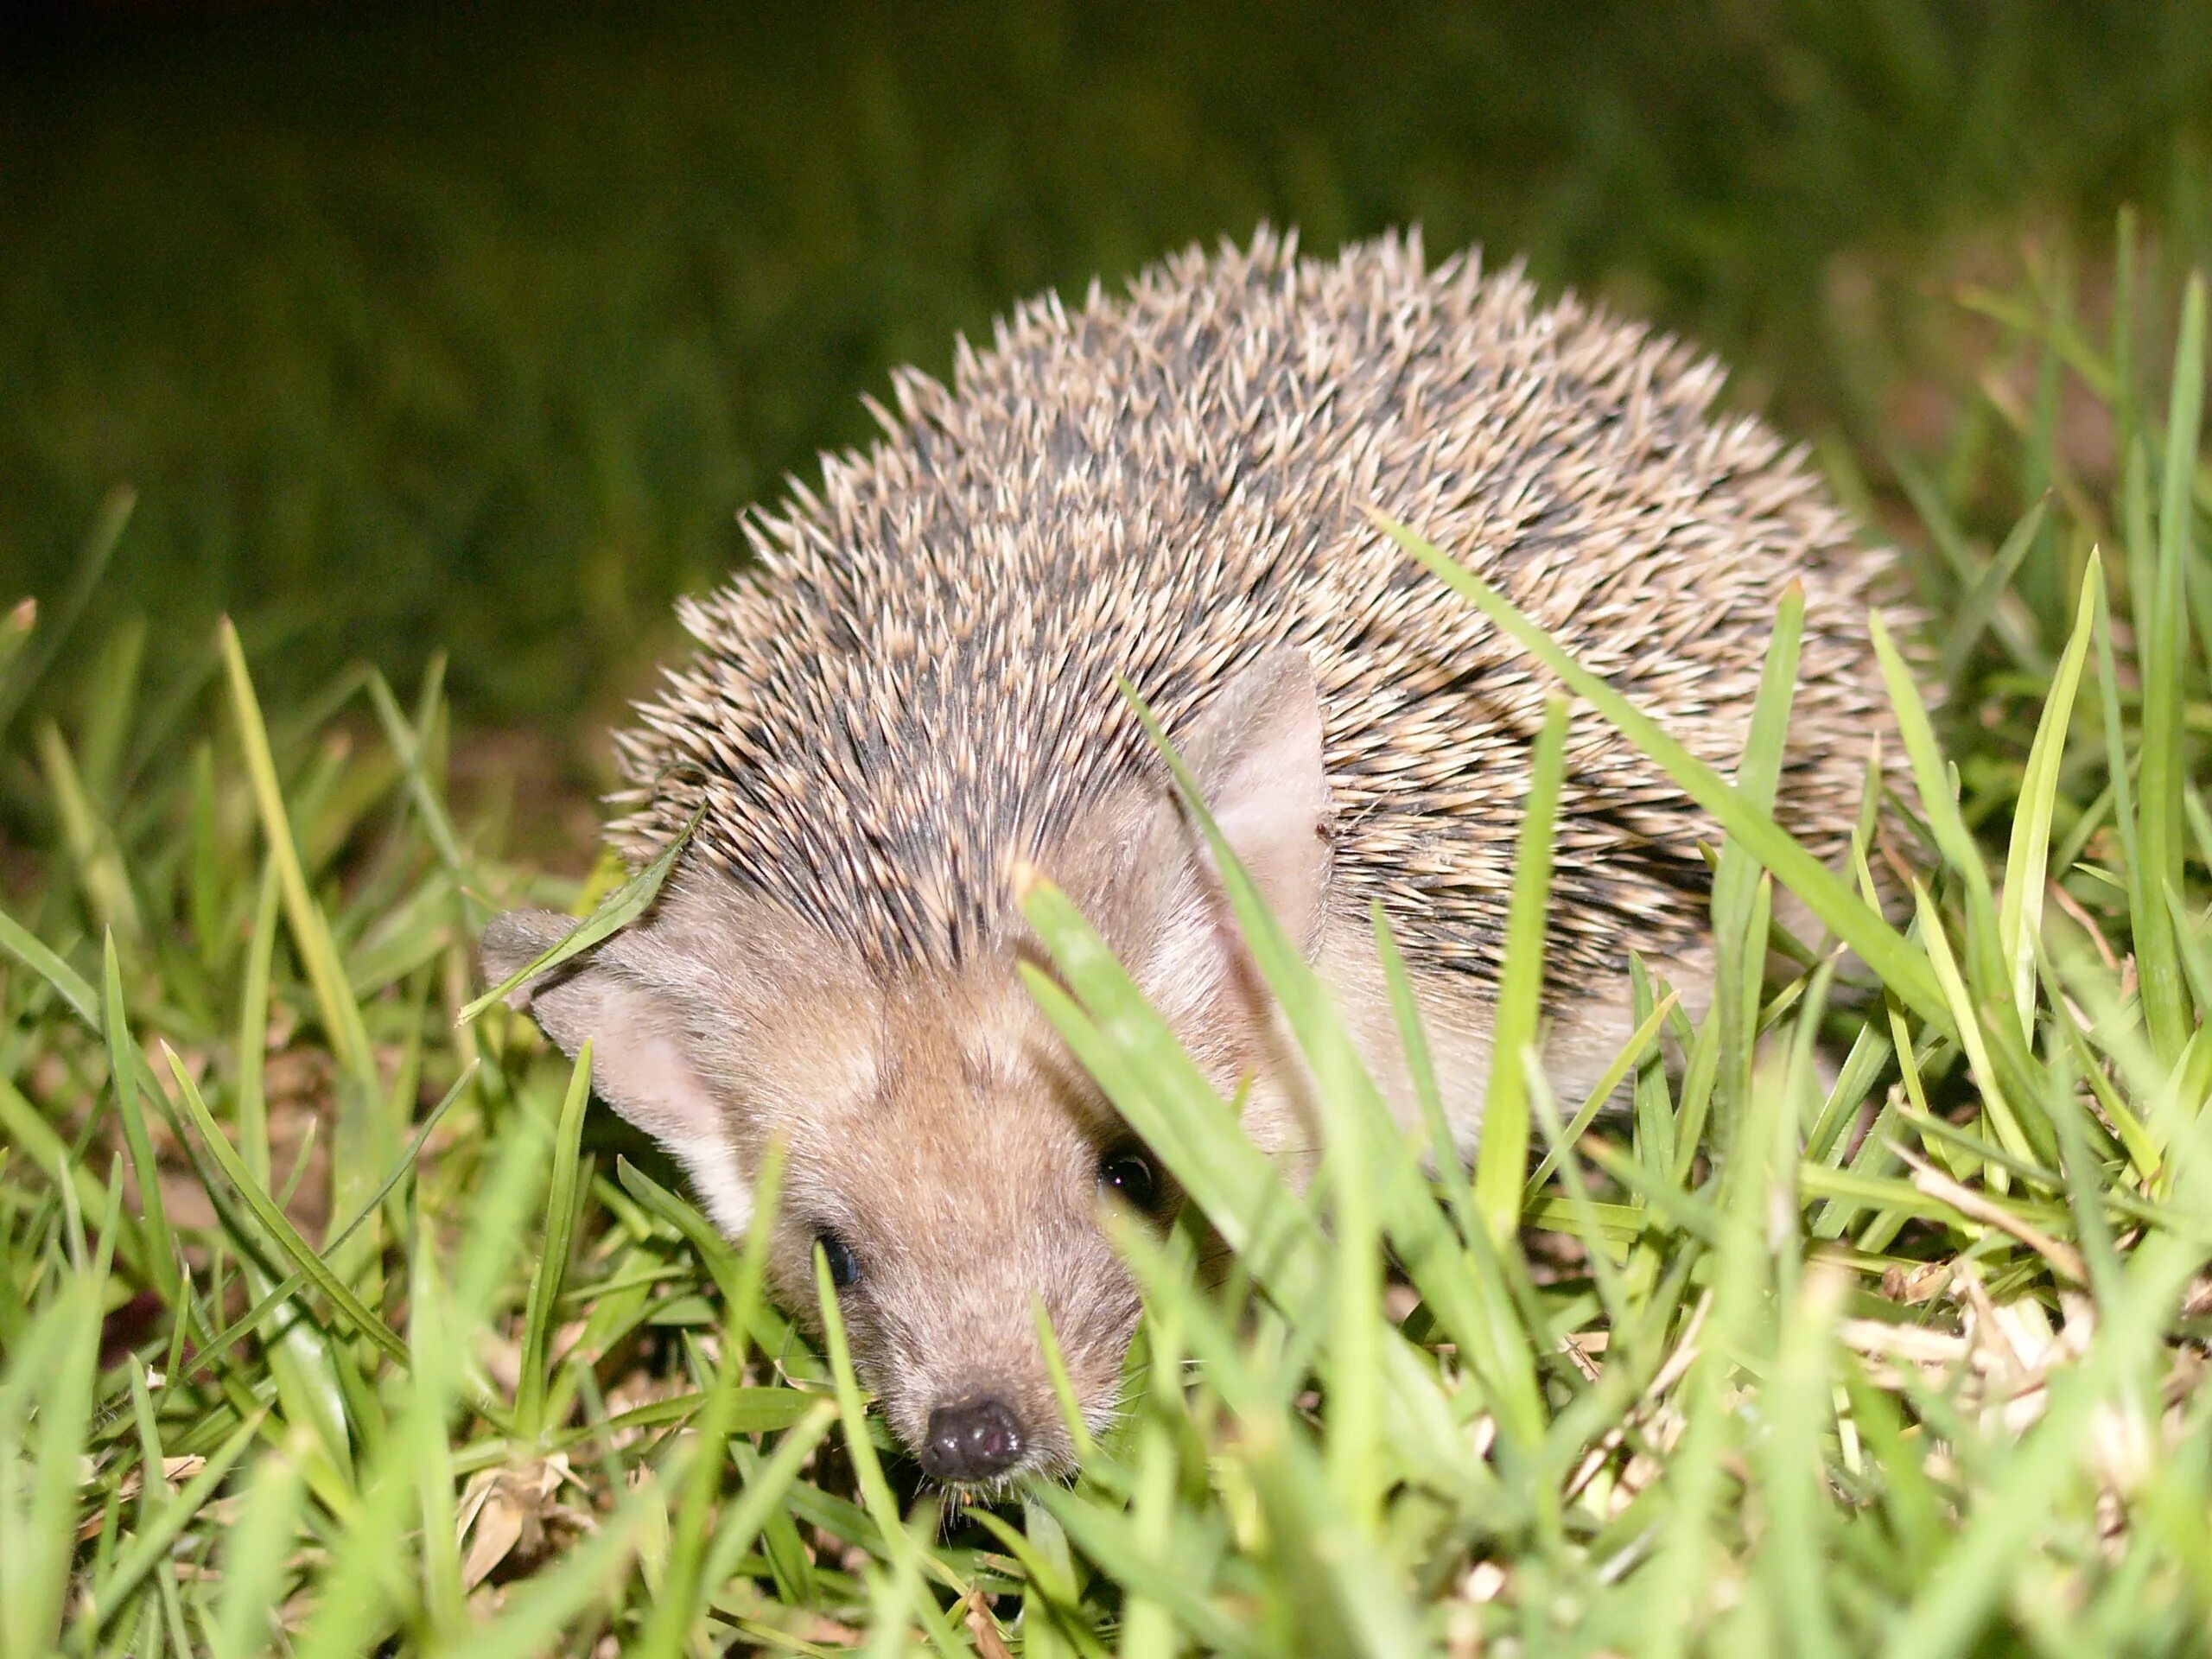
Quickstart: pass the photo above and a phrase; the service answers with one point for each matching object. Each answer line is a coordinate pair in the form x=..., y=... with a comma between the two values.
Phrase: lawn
x=335, y=1317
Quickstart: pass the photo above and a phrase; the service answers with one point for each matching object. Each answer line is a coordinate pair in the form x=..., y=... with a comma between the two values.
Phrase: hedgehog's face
x=941, y=1149
x=953, y=1184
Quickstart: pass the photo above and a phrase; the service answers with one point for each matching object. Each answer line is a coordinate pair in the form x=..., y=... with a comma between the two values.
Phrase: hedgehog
x=912, y=693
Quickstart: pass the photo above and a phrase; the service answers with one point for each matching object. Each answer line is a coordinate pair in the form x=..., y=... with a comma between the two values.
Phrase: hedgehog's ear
x=1255, y=752
x=1141, y=869
x=644, y=1060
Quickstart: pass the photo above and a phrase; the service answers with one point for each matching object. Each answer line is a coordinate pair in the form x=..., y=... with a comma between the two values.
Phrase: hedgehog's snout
x=953, y=1352
x=973, y=1441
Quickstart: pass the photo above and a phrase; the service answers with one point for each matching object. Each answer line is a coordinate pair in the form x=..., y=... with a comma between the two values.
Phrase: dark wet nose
x=973, y=1441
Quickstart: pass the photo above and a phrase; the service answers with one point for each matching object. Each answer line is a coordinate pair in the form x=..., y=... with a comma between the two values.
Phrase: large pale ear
x=1254, y=750
x=1140, y=869
x=623, y=998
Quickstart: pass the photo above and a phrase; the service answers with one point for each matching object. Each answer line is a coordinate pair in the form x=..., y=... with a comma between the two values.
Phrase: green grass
x=1905, y=1361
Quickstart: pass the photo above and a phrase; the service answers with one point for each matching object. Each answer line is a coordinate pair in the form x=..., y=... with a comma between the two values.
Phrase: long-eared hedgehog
x=912, y=691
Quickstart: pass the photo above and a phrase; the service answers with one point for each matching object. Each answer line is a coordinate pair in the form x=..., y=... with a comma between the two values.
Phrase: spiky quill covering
x=914, y=686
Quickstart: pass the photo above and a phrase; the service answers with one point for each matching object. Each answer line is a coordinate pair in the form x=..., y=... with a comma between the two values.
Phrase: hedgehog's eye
x=1127, y=1172
x=845, y=1266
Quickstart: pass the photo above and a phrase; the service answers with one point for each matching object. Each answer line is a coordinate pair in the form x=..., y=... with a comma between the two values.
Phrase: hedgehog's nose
x=973, y=1441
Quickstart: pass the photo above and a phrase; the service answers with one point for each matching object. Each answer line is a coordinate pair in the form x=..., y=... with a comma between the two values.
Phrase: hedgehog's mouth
x=1046, y=1464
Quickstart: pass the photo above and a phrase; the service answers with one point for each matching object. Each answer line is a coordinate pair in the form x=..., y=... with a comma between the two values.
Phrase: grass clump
x=335, y=1321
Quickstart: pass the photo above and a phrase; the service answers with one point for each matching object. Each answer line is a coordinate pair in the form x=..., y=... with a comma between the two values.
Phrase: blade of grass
x=341, y=1015
x=1740, y=936
x=1939, y=802
x=46, y=1401
x=123, y=1079
x=2007, y=619
x=439, y=1355
x=685, y=1591
x=281, y=1238
x=2162, y=629
x=256, y=1556
x=741, y=1523
x=561, y=1207
x=1148, y=1623
x=1640, y=1046
x=1136, y=1059
x=36, y=955
x=907, y=1560
x=1793, y=1470
x=110, y=706
x=2019, y=911
x=32, y=1141
x=616, y=911
x=1977, y=608
x=538, y=1613
x=293, y=1281
x=407, y=743
x=90, y=841
x=1502, y=1161
x=22, y=677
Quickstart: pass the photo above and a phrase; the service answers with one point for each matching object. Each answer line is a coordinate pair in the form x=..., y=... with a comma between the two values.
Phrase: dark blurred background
x=425, y=325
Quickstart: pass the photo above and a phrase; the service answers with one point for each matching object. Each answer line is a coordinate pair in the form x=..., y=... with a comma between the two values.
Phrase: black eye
x=845, y=1266
x=1129, y=1175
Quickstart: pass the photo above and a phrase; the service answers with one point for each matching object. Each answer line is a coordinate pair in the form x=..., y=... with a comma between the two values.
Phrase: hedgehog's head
x=941, y=1147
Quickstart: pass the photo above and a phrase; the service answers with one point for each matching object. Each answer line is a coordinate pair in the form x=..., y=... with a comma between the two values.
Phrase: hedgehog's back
x=918, y=684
